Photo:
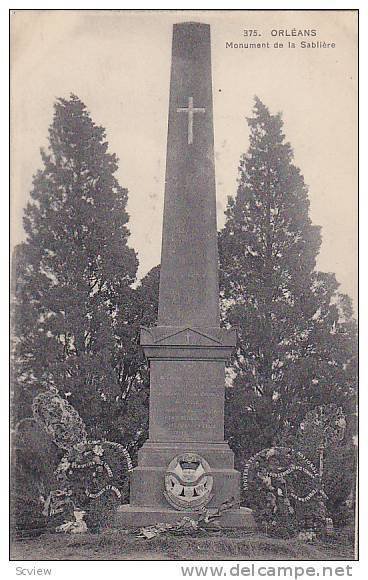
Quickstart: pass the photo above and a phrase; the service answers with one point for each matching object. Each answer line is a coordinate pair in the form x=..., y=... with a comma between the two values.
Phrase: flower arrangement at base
x=284, y=490
x=92, y=476
x=95, y=474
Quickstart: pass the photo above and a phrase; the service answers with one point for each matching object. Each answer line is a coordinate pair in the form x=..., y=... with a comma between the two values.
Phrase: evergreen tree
x=296, y=332
x=129, y=415
x=73, y=276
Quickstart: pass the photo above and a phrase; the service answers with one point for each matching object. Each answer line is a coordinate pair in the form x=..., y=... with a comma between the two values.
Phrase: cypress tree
x=296, y=332
x=73, y=275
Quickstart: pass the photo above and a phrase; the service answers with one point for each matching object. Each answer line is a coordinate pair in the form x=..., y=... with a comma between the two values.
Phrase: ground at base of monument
x=132, y=517
x=116, y=544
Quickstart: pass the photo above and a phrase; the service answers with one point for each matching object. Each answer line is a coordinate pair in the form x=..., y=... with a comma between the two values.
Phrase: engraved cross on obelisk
x=190, y=110
x=185, y=464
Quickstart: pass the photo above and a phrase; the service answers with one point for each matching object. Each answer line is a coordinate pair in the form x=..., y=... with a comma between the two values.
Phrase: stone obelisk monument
x=186, y=465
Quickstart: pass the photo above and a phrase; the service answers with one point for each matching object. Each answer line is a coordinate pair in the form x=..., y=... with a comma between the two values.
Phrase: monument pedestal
x=148, y=503
x=148, y=479
x=187, y=377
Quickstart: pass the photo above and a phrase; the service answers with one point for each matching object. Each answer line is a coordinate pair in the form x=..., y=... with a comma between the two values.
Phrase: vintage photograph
x=184, y=197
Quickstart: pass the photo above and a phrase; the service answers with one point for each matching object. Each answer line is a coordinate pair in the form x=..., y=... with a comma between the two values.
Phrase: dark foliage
x=73, y=276
x=33, y=461
x=296, y=333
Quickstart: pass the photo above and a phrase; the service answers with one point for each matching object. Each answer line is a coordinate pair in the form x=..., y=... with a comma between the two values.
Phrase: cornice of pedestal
x=187, y=342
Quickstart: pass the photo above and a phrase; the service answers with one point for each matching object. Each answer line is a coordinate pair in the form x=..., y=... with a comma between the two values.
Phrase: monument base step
x=128, y=516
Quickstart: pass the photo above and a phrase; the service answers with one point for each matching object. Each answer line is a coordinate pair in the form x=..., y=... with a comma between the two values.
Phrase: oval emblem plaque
x=188, y=482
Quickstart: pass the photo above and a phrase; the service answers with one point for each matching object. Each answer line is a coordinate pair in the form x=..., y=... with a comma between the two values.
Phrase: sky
x=118, y=64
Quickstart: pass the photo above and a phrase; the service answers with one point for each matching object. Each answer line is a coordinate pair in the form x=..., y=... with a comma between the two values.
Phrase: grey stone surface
x=147, y=487
x=188, y=276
